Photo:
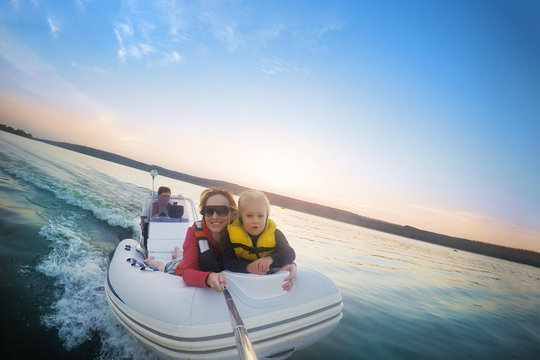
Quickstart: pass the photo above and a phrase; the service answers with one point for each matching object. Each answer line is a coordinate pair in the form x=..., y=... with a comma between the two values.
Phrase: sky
x=421, y=113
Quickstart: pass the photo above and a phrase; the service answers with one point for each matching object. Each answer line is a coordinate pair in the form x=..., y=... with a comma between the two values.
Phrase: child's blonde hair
x=253, y=195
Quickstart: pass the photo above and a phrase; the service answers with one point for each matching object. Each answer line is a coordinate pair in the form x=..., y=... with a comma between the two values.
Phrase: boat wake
x=80, y=310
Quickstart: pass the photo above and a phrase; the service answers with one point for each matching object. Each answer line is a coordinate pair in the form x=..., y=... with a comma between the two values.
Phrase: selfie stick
x=245, y=350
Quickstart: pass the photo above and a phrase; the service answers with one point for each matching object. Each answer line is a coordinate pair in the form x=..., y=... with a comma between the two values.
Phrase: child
x=255, y=244
x=174, y=266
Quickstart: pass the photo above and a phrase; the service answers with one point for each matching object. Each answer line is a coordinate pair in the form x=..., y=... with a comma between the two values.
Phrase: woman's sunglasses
x=221, y=210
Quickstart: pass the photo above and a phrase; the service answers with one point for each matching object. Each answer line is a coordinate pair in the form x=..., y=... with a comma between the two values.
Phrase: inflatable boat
x=185, y=322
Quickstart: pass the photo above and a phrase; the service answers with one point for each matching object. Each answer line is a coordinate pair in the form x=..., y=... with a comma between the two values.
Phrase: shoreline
x=522, y=256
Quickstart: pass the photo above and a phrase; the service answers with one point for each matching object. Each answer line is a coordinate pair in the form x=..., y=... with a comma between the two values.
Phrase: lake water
x=62, y=215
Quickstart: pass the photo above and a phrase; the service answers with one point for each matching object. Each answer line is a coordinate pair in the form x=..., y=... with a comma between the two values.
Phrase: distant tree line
x=502, y=252
x=19, y=132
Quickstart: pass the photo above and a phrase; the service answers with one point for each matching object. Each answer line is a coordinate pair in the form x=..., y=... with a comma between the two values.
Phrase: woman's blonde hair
x=253, y=195
x=206, y=194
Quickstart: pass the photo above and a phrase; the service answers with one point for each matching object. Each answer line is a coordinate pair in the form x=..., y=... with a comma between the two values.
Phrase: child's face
x=254, y=216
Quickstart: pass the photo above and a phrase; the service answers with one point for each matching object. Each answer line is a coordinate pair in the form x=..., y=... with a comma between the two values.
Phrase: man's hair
x=163, y=189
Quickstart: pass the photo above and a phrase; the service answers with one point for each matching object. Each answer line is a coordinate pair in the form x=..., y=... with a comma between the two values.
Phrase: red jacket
x=191, y=273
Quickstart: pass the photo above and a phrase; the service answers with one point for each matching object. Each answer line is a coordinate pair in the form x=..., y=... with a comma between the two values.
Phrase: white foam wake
x=81, y=310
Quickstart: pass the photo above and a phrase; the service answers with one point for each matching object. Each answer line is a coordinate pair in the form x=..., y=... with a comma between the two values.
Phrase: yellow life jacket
x=243, y=246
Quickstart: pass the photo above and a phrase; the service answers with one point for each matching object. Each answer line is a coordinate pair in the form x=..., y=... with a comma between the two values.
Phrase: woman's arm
x=191, y=273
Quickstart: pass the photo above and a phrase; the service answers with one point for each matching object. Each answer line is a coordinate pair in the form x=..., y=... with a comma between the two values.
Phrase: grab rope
x=142, y=266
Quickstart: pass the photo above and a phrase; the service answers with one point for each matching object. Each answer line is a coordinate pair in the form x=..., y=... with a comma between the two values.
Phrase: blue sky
x=424, y=113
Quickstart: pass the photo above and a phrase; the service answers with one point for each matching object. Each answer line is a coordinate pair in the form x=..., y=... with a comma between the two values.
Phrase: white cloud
x=123, y=31
x=222, y=32
x=174, y=14
x=228, y=36
x=54, y=28
x=273, y=67
x=145, y=48
x=134, y=51
x=138, y=50
x=310, y=37
x=128, y=46
x=80, y=4
x=171, y=58
x=268, y=34
x=118, y=37
x=122, y=53
x=317, y=33
x=95, y=70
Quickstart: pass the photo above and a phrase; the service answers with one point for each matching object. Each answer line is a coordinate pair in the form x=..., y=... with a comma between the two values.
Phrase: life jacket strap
x=207, y=258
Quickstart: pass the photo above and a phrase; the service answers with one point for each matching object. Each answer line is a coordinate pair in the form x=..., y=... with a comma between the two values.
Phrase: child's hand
x=260, y=266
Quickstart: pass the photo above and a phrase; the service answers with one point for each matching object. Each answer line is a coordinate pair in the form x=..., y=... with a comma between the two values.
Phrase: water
x=62, y=214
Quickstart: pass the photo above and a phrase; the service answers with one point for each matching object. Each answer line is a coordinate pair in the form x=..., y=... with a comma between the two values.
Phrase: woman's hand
x=289, y=280
x=216, y=281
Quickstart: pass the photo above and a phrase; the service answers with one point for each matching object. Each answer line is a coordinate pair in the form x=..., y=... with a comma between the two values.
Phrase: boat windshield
x=174, y=211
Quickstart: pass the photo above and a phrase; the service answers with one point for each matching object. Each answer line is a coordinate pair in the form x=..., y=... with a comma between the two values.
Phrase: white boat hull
x=186, y=322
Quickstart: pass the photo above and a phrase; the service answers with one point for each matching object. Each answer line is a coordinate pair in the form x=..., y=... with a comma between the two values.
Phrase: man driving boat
x=161, y=206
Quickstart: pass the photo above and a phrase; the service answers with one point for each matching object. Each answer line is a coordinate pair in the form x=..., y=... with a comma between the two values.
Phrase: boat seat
x=164, y=236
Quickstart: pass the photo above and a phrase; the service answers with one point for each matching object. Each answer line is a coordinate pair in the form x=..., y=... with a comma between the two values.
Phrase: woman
x=203, y=263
